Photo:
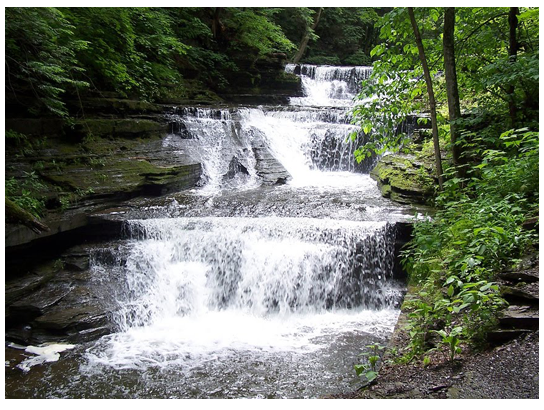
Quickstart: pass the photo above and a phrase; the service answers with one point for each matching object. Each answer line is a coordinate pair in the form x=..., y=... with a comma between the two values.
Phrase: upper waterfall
x=328, y=86
x=306, y=143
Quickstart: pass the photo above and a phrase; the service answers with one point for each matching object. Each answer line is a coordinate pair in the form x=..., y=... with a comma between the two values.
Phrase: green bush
x=25, y=192
x=477, y=232
x=322, y=60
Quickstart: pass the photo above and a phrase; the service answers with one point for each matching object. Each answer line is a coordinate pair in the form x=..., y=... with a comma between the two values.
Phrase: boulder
x=516, y=277
x=527, y=295
x=98, y=173
x=500, y=336
x=269, y=169
x=235, y=167
x=404, y=179
x=57, y=301
x=38, y=302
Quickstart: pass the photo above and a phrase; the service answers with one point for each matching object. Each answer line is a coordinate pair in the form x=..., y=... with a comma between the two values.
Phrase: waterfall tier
x=263, y=266
x=313, y=134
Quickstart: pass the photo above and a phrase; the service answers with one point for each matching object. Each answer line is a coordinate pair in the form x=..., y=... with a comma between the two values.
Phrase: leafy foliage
x=396, y=89
x=130, y=50
x=372, y=357
x=27, y=193
x=344, y=36
x=41, y=57
x=477, y=232
x=255, y=30
x=142, y=52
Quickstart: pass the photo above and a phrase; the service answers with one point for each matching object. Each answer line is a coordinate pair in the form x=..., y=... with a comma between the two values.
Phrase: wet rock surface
x=268, y=168
x=80, y=179
x=57, y=301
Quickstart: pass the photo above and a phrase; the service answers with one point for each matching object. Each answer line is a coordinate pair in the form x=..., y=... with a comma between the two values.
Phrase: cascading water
x=211, y=135
x=242, y=290
x=246, y=307
x=329, y=86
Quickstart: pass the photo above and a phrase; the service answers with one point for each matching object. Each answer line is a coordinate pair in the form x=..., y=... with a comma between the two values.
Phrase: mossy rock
x=127, y=176
x=119, y=106
x=404, y=179
x=126, y=127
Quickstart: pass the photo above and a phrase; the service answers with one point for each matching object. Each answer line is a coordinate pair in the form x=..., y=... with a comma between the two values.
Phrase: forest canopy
x=157, y=53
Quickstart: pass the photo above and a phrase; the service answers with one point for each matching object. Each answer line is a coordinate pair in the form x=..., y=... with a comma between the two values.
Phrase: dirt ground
x=509, y=371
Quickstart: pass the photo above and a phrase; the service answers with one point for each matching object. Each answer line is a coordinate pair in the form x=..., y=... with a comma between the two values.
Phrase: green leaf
x=359, y=369
x=371, y=375
x=450, y=280
x=487, y=286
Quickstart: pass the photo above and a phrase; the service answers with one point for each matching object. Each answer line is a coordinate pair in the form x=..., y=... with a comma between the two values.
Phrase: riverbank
x=508, y=370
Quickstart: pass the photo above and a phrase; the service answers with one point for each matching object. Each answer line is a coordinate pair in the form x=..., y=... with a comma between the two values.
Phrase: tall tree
x=40, y=58
x=306, y=38
x=430, y=91
x=512, y=56
x=452, y=91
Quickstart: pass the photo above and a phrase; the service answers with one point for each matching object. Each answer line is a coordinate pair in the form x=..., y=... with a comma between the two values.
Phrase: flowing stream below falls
x=239, y=289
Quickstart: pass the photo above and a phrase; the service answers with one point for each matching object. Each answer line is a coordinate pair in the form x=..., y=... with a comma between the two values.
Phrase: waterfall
x=191, y=287
x=231, y=276
x=212, y=137
x=328, y=85
x=268, y=279
x=311, y=136
x=266, y=266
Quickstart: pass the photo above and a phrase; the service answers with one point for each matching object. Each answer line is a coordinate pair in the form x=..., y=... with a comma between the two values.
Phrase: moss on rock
x=119, y=127
x=404, y=179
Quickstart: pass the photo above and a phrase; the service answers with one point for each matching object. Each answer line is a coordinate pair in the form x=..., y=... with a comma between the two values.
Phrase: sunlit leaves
x=255, y=29
x=395, y=89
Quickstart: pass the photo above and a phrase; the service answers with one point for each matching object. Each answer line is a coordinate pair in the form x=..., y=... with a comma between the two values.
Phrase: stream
x=239, y=288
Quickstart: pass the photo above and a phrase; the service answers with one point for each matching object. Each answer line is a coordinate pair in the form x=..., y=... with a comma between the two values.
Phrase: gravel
x=509, y=371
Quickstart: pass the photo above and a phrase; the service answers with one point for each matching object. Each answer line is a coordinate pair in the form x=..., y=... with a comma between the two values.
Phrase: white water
x=198, y=292
x=197, y=286
x=291, y=141
x=328, y=86
x=256, y=304
x=218, y=140
x=311, y=138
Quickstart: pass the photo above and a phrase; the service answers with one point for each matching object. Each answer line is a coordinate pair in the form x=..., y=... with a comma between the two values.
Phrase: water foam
x=199, y=285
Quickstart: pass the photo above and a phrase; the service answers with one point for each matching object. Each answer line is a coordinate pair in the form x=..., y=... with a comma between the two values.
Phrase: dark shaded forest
x=167, y=54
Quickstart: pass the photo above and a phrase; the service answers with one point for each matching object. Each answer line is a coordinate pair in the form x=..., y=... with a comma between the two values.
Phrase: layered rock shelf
x=404, y=179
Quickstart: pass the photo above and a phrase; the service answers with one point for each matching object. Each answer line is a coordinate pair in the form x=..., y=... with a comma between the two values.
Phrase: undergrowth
x=453, y=258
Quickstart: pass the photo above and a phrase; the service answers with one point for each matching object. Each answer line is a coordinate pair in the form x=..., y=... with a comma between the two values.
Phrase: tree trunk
x=306, y=38
x=216, y=23
x=512, y=54
x=432, y=101
x=452, y=91
x=16, y=214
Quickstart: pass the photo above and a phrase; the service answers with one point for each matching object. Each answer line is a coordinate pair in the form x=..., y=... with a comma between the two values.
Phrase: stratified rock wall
x=92, y=165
